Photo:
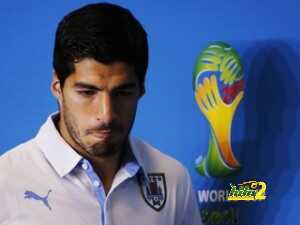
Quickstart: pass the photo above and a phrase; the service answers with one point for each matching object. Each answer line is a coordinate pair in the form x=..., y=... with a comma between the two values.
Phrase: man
x=83, y=167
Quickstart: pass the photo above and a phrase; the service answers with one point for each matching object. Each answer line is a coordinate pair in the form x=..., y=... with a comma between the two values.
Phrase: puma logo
x=30, y=194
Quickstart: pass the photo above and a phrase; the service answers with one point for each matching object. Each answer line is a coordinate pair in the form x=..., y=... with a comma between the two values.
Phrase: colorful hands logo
x=218, y=86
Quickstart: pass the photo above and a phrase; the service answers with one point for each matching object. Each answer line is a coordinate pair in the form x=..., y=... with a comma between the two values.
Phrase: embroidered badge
x=32, y=195
x=154, y=190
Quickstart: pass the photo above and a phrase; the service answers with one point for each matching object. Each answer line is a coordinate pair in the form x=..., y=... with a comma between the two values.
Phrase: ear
x=56, y=88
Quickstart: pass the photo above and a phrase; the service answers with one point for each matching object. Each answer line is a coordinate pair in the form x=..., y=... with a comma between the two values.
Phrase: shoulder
x=17, y=159
x=17, y=153
x=156, y=161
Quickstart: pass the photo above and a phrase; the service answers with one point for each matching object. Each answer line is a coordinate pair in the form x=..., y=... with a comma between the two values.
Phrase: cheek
x=79, y=106
x=127, y=111
x=77, y=113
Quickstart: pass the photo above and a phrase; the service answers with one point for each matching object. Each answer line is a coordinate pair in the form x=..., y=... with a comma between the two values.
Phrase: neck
x=105, y=166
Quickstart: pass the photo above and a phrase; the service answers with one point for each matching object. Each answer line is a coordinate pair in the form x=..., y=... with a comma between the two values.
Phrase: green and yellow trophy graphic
x=218, y=87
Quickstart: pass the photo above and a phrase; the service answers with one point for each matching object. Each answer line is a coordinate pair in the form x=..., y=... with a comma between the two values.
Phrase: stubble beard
x=98, y=149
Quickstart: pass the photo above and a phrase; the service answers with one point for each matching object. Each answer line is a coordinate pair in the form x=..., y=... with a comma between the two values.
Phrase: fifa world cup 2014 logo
x=219, y=88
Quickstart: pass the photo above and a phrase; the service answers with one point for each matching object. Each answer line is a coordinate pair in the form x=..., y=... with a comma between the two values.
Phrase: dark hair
x=104, y=32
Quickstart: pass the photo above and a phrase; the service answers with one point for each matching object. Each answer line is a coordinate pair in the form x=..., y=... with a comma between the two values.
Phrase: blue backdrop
x=265, y=132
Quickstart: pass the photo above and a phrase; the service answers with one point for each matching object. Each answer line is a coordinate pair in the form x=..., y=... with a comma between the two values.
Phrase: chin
x=105, y=152
x=104, y=148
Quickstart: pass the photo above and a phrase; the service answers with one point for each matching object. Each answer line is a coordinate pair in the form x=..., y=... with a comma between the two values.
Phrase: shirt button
x=96, y=183
x=84, y=166
x=132, y=170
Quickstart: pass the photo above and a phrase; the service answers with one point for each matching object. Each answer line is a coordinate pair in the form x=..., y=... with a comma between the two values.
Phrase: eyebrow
x=93, y=87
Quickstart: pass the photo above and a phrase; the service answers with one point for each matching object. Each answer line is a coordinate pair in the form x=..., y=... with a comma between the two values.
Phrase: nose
x=106, y=113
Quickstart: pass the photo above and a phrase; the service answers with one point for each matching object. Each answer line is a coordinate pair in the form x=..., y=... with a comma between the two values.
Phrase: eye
x=124, y=93
x=86, y=93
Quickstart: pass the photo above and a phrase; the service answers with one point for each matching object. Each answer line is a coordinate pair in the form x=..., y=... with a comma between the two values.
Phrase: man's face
x=97, y=106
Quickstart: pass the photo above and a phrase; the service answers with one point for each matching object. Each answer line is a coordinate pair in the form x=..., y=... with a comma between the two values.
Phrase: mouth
x=102, y=134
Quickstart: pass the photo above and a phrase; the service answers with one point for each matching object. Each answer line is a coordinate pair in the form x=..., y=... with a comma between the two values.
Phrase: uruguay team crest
x=154, y=190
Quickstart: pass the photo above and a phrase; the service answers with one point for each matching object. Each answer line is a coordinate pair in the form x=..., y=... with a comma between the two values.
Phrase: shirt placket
x=128, y=171
x=98, y=188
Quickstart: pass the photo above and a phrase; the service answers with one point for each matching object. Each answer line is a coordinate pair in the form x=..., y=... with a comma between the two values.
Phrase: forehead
x=96, y=73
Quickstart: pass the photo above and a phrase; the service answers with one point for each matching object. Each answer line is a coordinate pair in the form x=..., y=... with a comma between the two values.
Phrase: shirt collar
x=63, y=158
x=57, y=151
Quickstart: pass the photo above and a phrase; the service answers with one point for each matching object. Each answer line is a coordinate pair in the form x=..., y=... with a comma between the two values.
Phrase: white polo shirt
x=45, y=182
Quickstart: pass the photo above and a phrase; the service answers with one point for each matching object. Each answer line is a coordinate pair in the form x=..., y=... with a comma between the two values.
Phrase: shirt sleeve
x=191, y=210
x=4, y=210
